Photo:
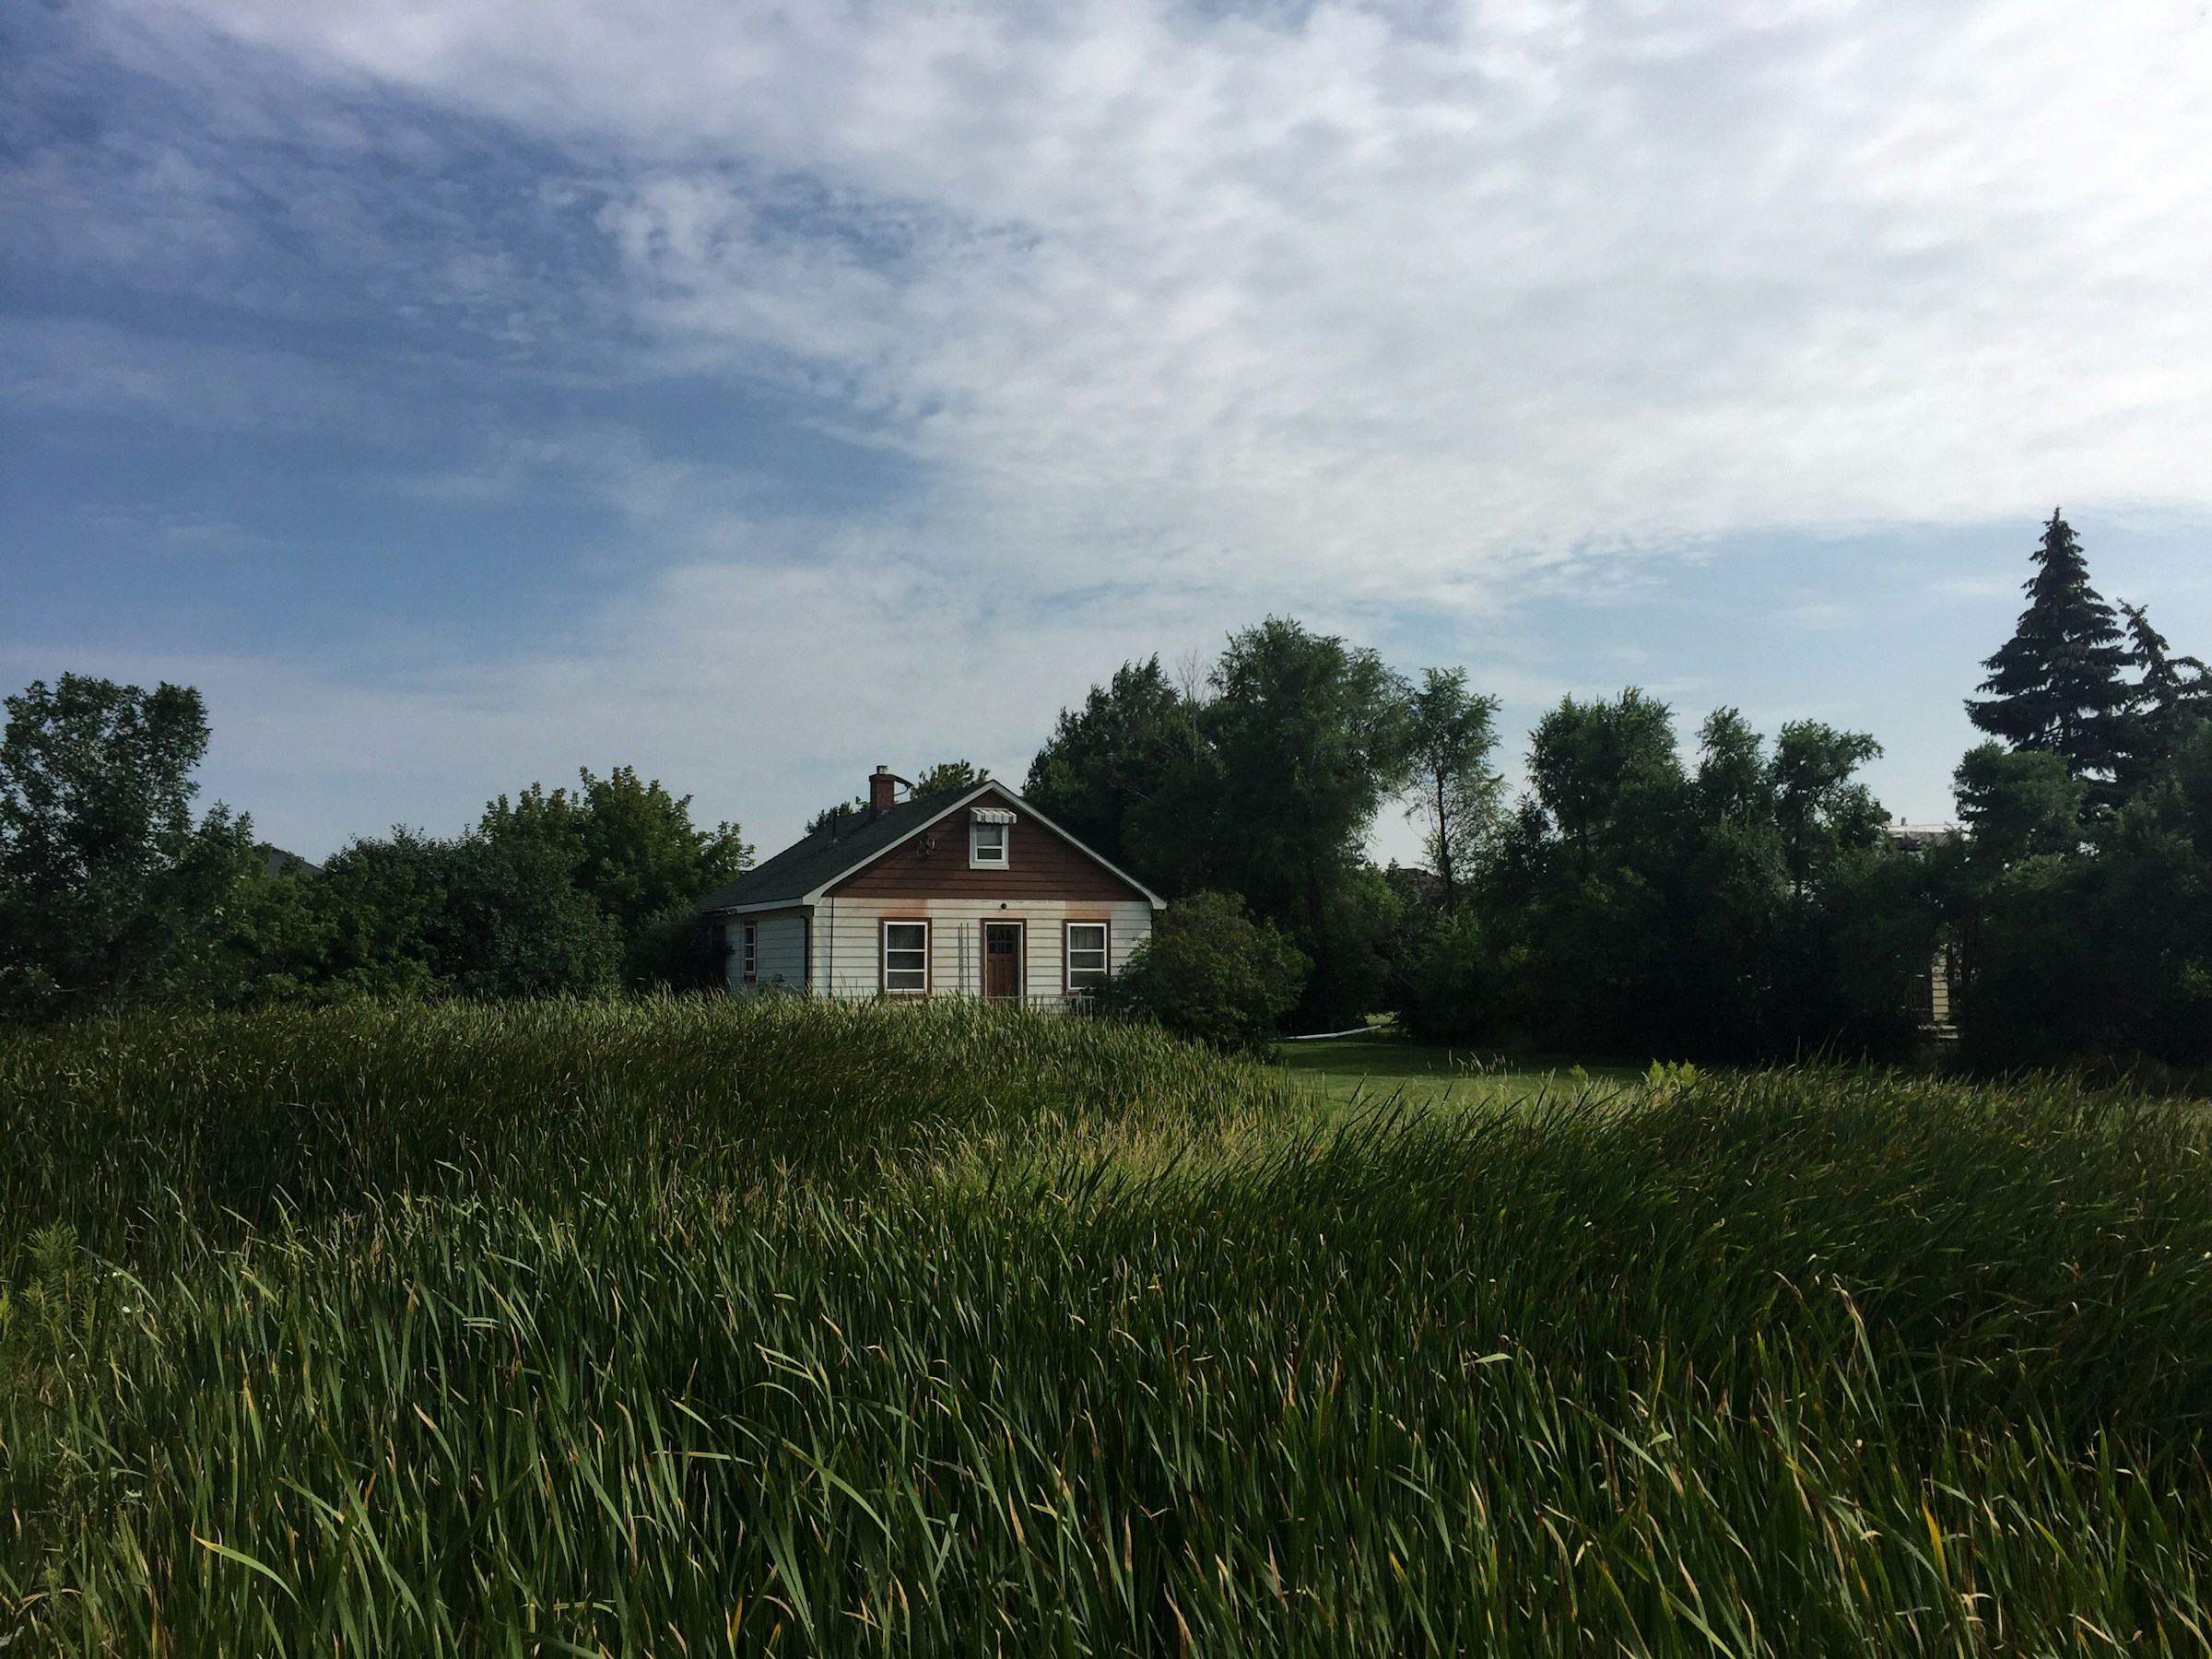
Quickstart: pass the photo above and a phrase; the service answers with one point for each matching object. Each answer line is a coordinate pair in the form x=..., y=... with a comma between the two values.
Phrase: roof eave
x=755, y=907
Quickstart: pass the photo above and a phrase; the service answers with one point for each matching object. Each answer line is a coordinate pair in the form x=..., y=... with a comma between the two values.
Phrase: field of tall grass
x=690, y=1328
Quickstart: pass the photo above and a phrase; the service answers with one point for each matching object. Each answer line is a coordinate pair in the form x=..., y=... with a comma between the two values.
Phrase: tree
x=2086, y=942
x=109, y=889
x=949, y=775
x=517, y=923
x=271, y=933
x=2079, y=899
x=639, y=858
x=1108, y=762
x=1819, y=810
x=1210, y=972
x=1583, y=892
x=1450, y=991
x=561, y=891
x=1455, y=792
x=2019, y=805
x=2056, y=684
x=835, y=814
x=1633, y=907
x=1308, y=735
x=2171, y=695
x=493, y=912
x=383, y=901
x=646, y=864
x=1597, y=767
x=1734, y=783
x=637, y=849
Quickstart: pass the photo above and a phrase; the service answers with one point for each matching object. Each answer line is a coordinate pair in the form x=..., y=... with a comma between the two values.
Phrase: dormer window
x=990, y=831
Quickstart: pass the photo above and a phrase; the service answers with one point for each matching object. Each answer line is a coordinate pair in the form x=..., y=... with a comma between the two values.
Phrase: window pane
x=905, y=956
x=1086, y=953
x=989, y=843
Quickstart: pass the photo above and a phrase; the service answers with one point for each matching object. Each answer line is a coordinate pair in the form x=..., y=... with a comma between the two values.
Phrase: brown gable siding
x=1041, y=864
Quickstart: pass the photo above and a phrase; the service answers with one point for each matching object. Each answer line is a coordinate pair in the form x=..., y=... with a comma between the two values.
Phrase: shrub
x=1210, y=972
x=1450, y=992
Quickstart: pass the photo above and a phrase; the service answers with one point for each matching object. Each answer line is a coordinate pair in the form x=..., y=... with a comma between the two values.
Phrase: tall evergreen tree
x=2056, y=685
x=2172, y=694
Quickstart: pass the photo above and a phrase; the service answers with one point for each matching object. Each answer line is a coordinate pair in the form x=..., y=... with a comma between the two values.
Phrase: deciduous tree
x=1455, y=792
x=1109, y=762
x=1308, y=735
x=110, y=889
x=949, y=775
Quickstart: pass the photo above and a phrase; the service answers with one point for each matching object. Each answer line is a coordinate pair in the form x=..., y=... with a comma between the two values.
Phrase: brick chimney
x=880, y=785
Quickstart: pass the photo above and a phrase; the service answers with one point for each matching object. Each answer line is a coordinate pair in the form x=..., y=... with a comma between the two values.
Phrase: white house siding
x=848, y=931
x=779, y=949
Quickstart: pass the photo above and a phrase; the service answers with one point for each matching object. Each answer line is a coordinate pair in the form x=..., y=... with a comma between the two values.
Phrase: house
x=970, y=893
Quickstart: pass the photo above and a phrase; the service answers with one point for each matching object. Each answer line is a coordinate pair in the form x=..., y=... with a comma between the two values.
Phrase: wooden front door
x=1002, y=959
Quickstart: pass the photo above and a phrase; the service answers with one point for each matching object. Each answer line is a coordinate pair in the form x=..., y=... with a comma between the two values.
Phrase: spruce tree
x=2056, y=684
x=2172, y=694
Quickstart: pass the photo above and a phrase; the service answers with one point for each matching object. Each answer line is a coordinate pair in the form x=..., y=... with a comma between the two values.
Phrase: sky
x=460, y=393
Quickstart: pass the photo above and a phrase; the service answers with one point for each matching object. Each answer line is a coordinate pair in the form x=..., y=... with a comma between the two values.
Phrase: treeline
x=112, y=892
x=1744, y=899
x=1748, y=904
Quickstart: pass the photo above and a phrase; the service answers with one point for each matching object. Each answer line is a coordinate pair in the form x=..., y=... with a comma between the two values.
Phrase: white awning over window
x=990, y=815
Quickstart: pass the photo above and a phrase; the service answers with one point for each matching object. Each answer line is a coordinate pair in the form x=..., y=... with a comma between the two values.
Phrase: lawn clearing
x=1366, y=1071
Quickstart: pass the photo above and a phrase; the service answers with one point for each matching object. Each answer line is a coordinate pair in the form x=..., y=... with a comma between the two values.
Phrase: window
x=748, y=950
x=1086, y=955
x=987, y=846
x=905, y=958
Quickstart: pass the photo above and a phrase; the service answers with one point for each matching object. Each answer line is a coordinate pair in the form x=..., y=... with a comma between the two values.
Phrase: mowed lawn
x=1385, y=1068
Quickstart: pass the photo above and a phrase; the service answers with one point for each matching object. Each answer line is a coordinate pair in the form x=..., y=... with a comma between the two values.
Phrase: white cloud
x=1350, y=304
x=1377, y=315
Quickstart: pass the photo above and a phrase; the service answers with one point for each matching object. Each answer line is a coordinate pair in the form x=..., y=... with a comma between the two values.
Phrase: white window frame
x=748, y=951
x=883, y=956
x=976, y=861
x=1068, y=955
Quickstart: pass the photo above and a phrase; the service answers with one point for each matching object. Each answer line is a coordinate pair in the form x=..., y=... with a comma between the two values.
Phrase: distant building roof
x=275, y=861
x=1920, y=835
